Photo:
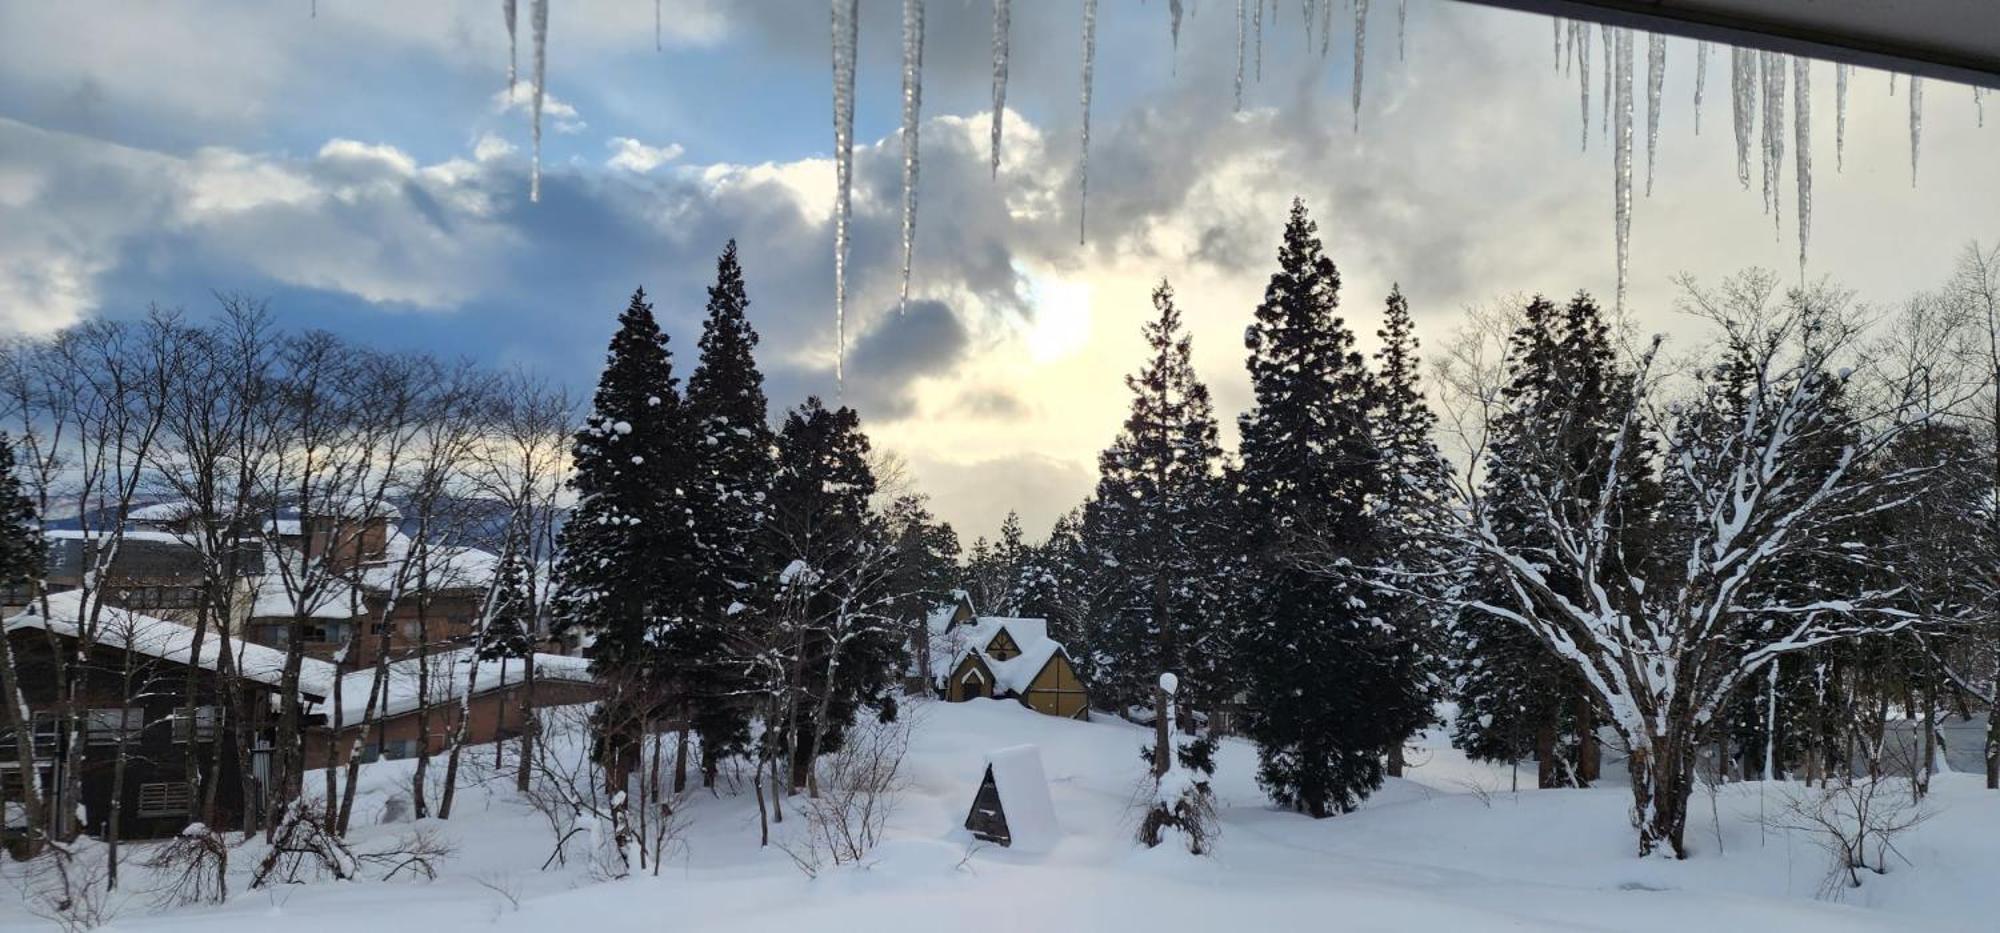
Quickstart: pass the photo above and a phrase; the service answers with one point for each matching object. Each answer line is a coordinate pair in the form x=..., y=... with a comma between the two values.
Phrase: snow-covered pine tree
x=1157, y=530
x=837, y=564
x=22, y=563
x=1418, y=553
x=1326, y=706
x=1565, y=399
x=1053, y=582
x=627, y=552
x=994, y=568
x=925, y=576
x=731, y=459
x=510, y=625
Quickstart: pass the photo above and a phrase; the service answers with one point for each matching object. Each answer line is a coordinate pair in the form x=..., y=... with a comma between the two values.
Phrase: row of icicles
x=1757, y=80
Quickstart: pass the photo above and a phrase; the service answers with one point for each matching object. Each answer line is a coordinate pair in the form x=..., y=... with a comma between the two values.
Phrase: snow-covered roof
x=1024, y=796
x=451, y=567
x=172, y=510
x=105, y=534
x=1012, y=675
x=332, y=599
x=173, y=642
x=449, y=674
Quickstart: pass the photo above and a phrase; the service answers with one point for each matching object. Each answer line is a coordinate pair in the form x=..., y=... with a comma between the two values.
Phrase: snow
x=1009, y=676
x=1024, y=796
x=1448, y=848
x=449, y=674
x=913, y=100
x=172, y=642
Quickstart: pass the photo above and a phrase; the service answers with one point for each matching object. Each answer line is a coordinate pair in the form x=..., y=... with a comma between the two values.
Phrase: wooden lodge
x=1007, y=658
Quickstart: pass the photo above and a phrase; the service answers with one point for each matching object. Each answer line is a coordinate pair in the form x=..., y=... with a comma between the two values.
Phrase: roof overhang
x=1955, y=40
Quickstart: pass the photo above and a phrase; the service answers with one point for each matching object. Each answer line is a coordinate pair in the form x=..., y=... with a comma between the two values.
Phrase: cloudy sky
x=366, y=171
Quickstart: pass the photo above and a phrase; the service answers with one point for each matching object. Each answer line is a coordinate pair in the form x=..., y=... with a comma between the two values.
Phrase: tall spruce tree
x=1565, y=399
x=510, y=625
x=23, y=561
x=1327, y=705
x=628, y=552
x=731, y=461
x=925, y=577
x=1155, y=527
x=1417, y=551
x=837, y=554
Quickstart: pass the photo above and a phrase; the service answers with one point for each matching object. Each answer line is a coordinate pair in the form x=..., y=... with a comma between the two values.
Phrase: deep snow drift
x=1448, y=848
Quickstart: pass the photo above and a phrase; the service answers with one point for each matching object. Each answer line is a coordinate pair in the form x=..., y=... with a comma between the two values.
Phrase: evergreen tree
x=1418, y=552
x=1154, y=528
x=510, y=624
x=1327, y=705
x=1566, y=398
x=838, y=562
x=925, y=577
x=627, y=551
x=731, y=460
x=22, y=554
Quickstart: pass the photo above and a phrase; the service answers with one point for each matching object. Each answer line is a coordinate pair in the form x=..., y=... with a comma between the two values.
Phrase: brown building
x=136, y=682
x=495, y=703
x=1005, y=658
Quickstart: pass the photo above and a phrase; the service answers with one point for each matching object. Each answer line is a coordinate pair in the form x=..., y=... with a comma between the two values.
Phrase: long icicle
x=507, y=9
x=1583, y=77
x=656, y=26
x=1360, y=52
x=1242, y=48
x=1083, y=158
x=913, y=102
x=1402, y=29
x=1174, y=26
x=1621, y=65
x=1325, y=26
x=1840, y=72
x=1609, y=77
x=1656, y=78
x=1556, y=24
x=1700, y=81
x=1916, y=123
x=1002, y=25
x=1257, y=26
x=1742, y=75
x=1802, y=150
x=1774, y=133
x=539, y=18
x=846, y=33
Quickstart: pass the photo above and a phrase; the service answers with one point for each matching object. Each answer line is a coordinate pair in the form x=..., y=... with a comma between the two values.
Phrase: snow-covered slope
x=1448, y=848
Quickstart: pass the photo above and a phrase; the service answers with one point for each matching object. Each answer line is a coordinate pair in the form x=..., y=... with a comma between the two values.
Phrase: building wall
x=495, y=713
x=1056, y=691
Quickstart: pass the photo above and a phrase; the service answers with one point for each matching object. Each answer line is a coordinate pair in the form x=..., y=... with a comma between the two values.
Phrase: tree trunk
x=1660, y=789
x=531, y=724
x=1396, y=760
x=681, y=757
x=1547, y=775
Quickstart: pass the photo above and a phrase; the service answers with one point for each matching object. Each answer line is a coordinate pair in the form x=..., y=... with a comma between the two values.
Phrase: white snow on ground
x=1448, y=849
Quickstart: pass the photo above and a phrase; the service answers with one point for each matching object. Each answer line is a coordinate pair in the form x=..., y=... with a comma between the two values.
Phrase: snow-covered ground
x=1448, y=848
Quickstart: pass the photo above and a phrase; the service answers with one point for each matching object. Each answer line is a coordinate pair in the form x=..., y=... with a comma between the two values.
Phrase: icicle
x=1242, y=27
x=1605, y=31
x=1556, y=23
x=1310, y=11
x=846, y=34
x=913, y=101
x=656, y=25
x=1916, y=123
x=1840, y=72
x=1402, y=29
x=1656, y=78
x=1325, y=26
x=1979, y=104
x=1583, y=79
x=1622, y=154
x=1083, y=158
x=1892, y=84
x=539, y=19
x=1742, y=92
x=1774, y=131
x=1360, y=49
x=507, y=9
x=1174, y=25
x=1257, y=25
x=1001, y=26
x=1700, y=81
x=1802, y=149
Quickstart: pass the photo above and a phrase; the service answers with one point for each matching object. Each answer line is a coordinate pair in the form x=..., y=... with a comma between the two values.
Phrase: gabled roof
x=1013, y=675
x=449, y=673
x=173, y=642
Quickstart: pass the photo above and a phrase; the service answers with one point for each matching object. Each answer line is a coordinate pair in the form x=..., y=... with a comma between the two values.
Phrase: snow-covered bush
x=1855, y=821
x=193, y=867
x=1181, y=804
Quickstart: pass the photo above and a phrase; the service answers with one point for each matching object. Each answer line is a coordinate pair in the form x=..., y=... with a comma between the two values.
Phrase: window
x=164, y=799
x=323, y=633
x=106, y=726
x=201, y=728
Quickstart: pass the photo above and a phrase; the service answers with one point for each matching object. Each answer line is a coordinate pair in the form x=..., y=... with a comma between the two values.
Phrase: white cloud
x=490, y=147
x=634, y=156
x=557, y=113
